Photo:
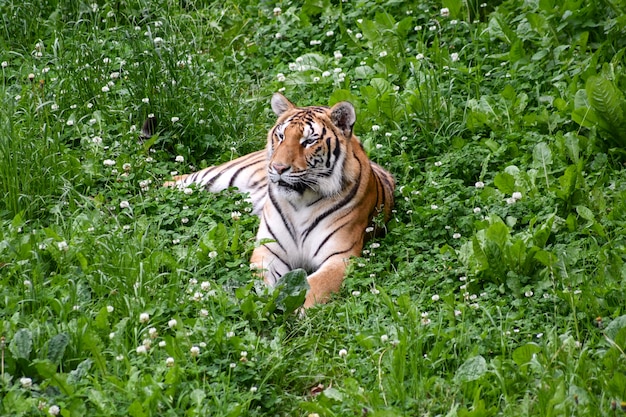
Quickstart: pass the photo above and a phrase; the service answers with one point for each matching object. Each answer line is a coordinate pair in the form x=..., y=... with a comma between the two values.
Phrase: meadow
x=498, y=290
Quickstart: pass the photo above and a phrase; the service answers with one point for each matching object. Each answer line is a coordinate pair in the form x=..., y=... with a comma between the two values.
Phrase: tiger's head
x=310, y=148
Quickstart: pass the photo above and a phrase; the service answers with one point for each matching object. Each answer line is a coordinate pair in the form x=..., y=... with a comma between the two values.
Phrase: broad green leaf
x=56, y=347
x=523, y=354
x=505, y=182
x=22, y=344
x=567, y=181
x=381, y=86
x=333, y=394
x=585, y=213
x=498, y=232
x=607, y=101
x=293, y=287
x=615, y=326
x=471, y=370
x=542, y=155
x=81, y=371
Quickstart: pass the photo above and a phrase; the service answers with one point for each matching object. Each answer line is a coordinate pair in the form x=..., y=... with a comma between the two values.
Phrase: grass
x=498, y=289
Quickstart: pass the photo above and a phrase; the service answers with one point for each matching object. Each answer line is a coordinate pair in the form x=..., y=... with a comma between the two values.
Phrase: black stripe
x=282, y=215
x=328, y=237
x=337, y=253
x=337, y=206
x=278, y=258
x=238, y=171
x=271, y=232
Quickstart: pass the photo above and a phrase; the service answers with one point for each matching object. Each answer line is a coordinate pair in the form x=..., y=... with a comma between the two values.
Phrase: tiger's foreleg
x=326, y=280
x=323, y=282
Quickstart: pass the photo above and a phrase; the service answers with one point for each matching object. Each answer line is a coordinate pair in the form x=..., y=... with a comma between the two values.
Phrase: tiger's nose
x=280, y=168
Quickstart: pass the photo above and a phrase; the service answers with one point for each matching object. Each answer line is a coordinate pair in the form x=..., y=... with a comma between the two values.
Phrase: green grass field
x=499, y=289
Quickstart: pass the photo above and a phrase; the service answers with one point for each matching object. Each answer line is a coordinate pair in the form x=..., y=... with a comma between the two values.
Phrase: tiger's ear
x=343, y=116
x=280, y=104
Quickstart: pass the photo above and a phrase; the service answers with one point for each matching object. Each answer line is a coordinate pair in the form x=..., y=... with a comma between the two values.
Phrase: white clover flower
x=54, y=410
x=278, y=35
x=253, y=389
x=277, y=11
x=204, y=313
x=145, y=100
x=112, y=335
x=330, y=33
x=158, y=40
x=434, y=206
x=230, y=335
x=432, y=28
x=293, y=66
x=517, y=195
x=144, y=317
x=375, y=291
x=457, y=312
x=445, y=12
x=375, y=128
x=180, y=158
x=315, y=42
x=188, y=190
x=358, y=35
x=232, y=365
x=326, y=74
x=162, y=343
x=105, y=89
x=280, y=77
x=529, y=293
x=172, y=323
x=63, y=246
x=110, y=309
x=369, y=229
x=454, y=56
x=26, y=382
x=343, y=353
x=356, y=293
x=384, y=338
x=382, y=54
x=511, y=200
x=213, y=254
x=141, y=350
x=153, y=333
x=316, y=79
x=438, y=163
x=169, y=362
x=479, y=184
x=4, y=64
x=124, y=204
x=456, y=236
x=338, y=55
x=205, y=285
x=379, y=146
x=70, y=122
x=126, y=167
x=477, y=210
x=419, y=57
x=435, y=297
x=27, y=283
x=194, y=351
x=235, y=215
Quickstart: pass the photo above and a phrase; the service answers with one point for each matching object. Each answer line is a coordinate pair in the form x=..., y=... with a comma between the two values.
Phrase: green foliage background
x=498, y=289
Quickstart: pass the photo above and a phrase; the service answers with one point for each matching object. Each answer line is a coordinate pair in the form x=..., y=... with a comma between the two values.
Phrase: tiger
x=315, y=190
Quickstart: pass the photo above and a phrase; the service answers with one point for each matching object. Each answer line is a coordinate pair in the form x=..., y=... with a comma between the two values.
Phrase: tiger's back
x=315, y=190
